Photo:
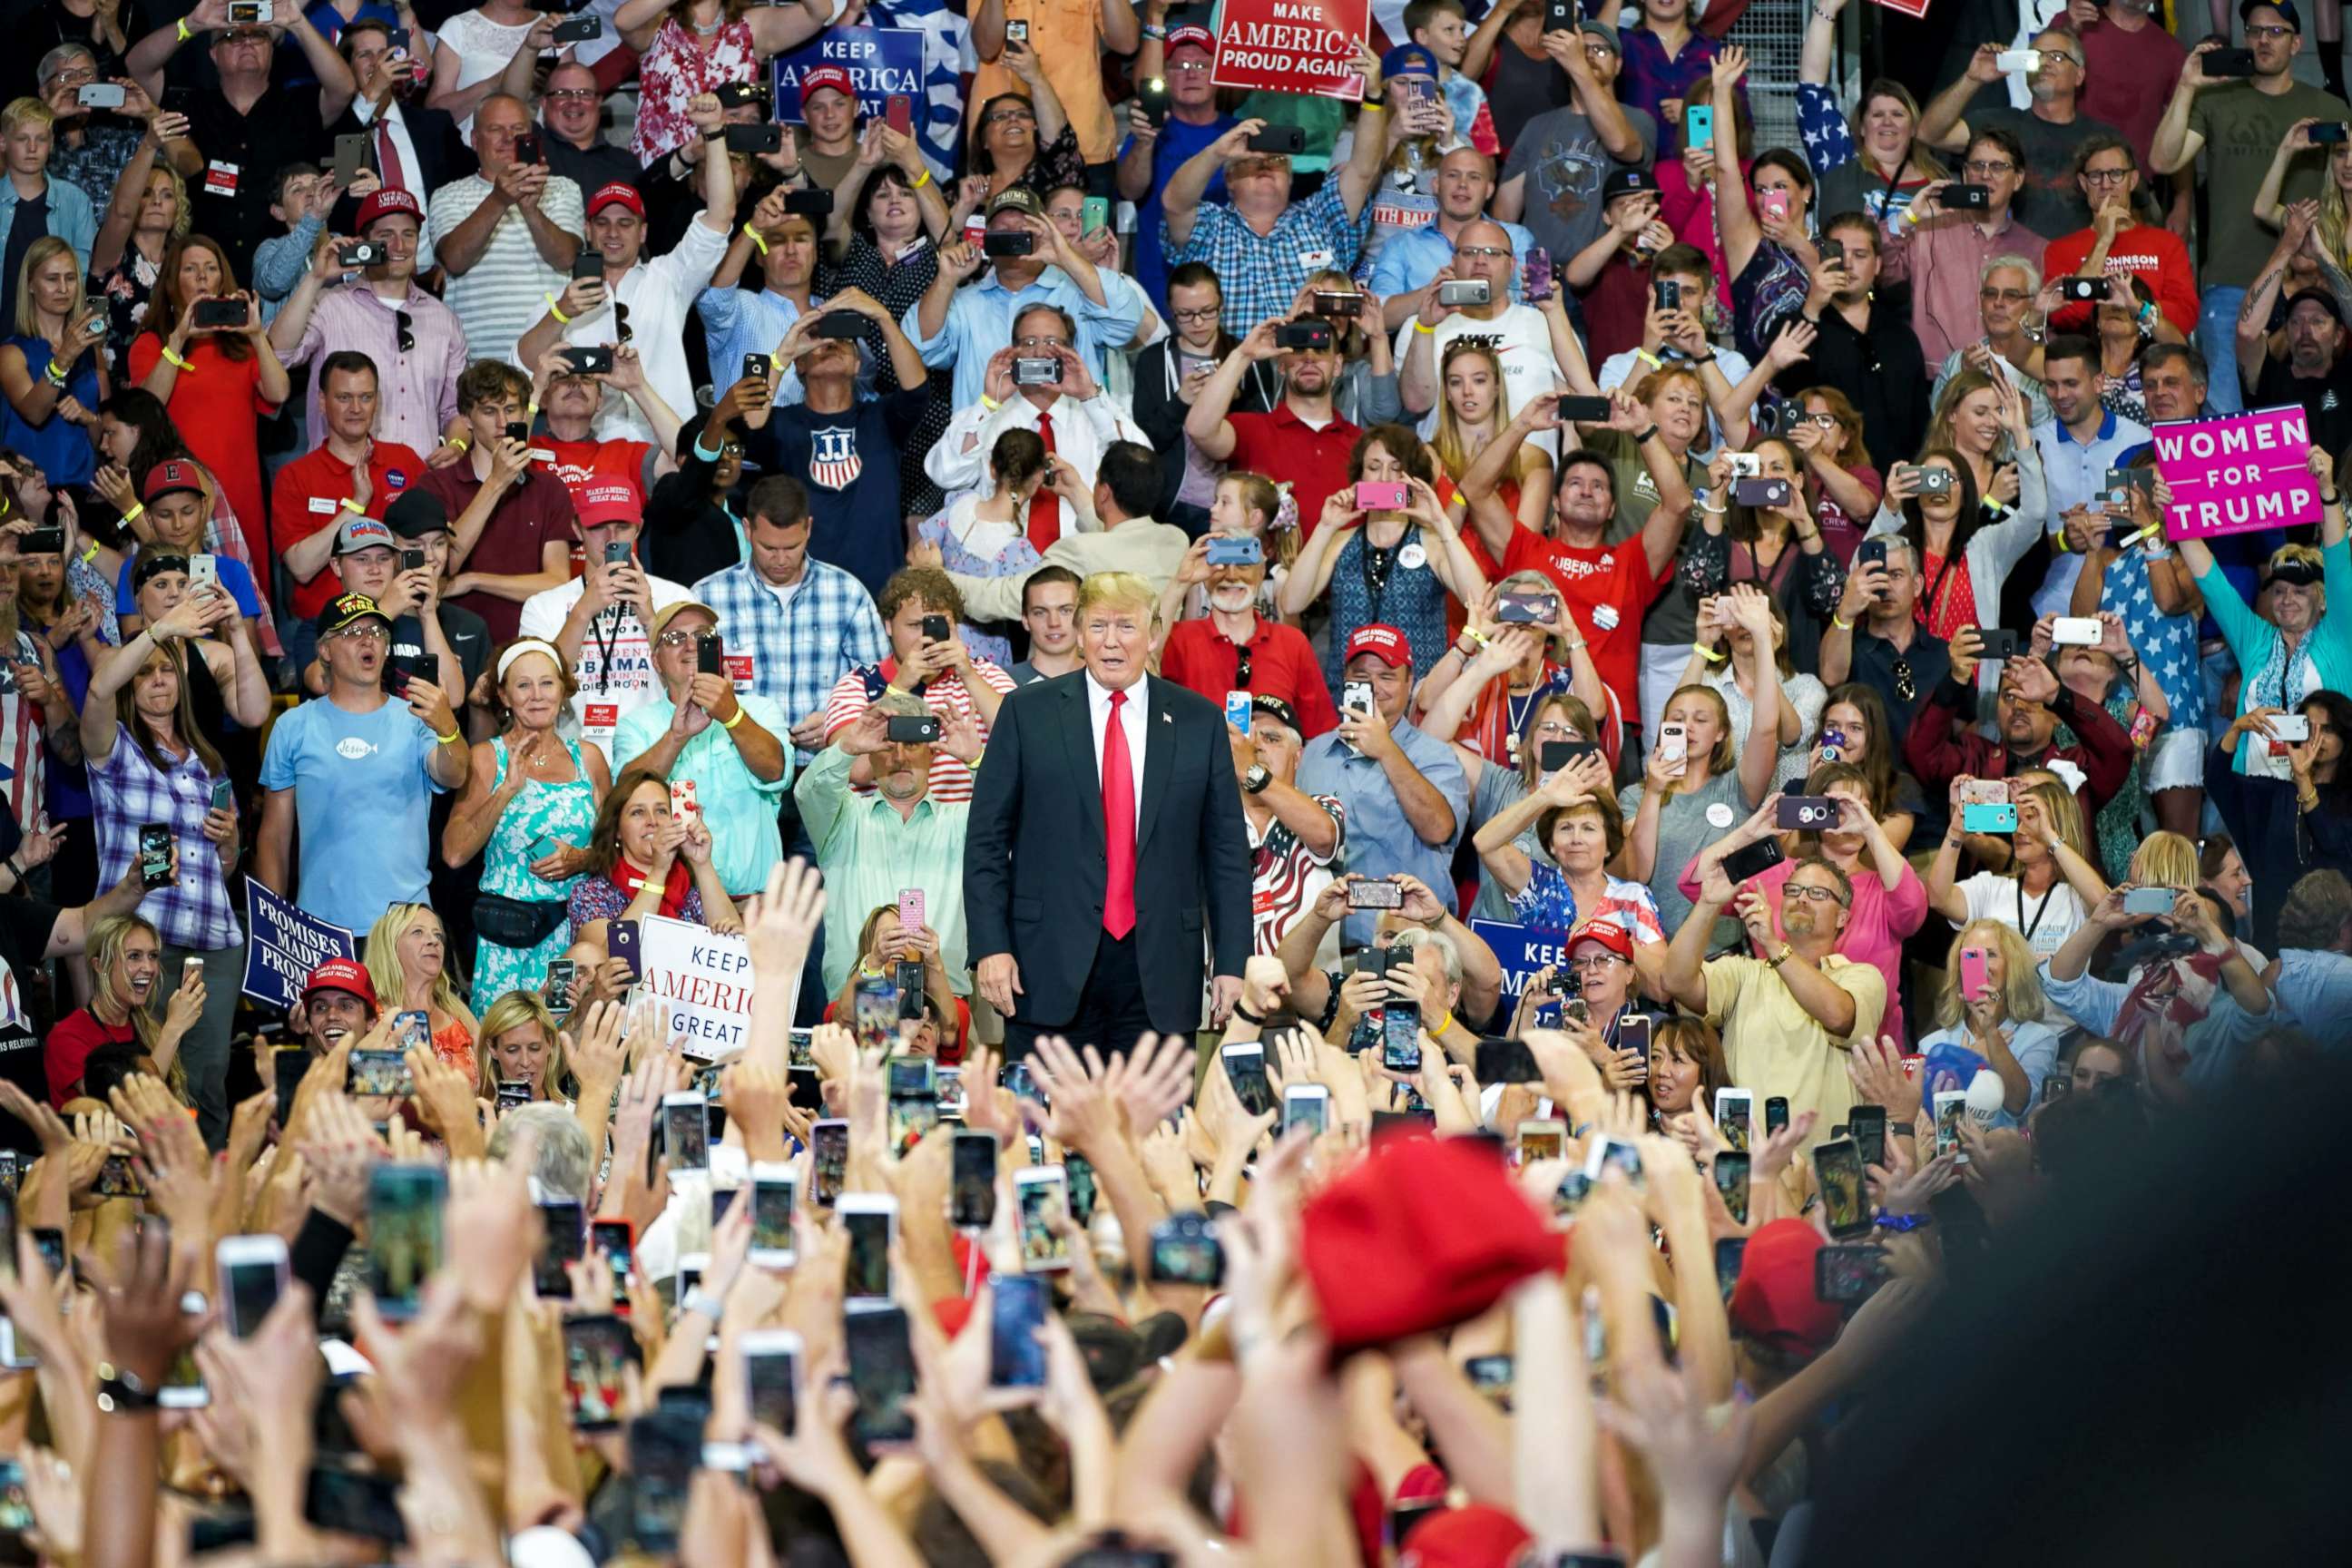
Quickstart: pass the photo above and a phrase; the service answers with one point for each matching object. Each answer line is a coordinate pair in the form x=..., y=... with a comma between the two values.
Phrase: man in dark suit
x=410, y=147
x=1106, y=829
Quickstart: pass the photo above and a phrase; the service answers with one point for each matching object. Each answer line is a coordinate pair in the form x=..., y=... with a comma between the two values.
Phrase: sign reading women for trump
x=1293, y=46
x=2237, y=475
x=702, y=981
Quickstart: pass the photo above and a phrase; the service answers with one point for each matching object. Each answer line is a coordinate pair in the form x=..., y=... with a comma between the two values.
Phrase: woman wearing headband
x=531, y=800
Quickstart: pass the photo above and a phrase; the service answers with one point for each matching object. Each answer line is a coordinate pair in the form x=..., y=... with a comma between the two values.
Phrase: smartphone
x=1375, y=893
x=971, y=1180
x=1015, y=1359
x=1735, y=1117
x=596, y=1348
x=614, y=1241
x=685, y=799
x=1544, y=1139
x=1605, y=1153
x=1042, y=1198
x=1002, y=243
x=354, y=1502
x=1847, y=1275
x=1381, y=498
x=881, y=1370
x=2075, y=631
x=242, y=12
x=405, y=1204
x=828, y=1161
x=872, y=1221
x=1465, y=291
x=775, y=1191
x=2226, y=63
x=287, y=1066
x=564, y=1241
x=1988, y=819
x=755, y=140
x=1234, y=549
x=1185, y=1252
x=1698, y=125
x=1238, y=711
x=1310, y=334
x=378, y=1073
x=899, y=113
x=1401, y=1037
x=1245, y=1071
x=665, y=1450
x=1731, y=1251
x=758, y=367
x=154, y=855
x=579, y=29
x=1973, y=983
x=2082, y=291
x=1966, y=199
x=1306, y=1105
x=1503, y=1060
x=1753, y=861
x=1731, y=1182
x=1522, y=608
x=411, y=1030
x=686, y=1132
x=1016, y=32
x=107, y=95
x=771, y=1361
x=914, y=728
x=1867, y=1126
x=253, y=1272
x=1837, y=1174
x=1806, y=813
x=1673, y=747
x=2144, y=902
x=2022, y=62
x=1289, y=140
x=1356, y=696
x=1773, y=205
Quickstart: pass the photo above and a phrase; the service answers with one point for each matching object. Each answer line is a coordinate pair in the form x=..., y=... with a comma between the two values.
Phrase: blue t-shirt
x=345, y=769
x=1177, y=143
x=848, y=463
x=234, y=576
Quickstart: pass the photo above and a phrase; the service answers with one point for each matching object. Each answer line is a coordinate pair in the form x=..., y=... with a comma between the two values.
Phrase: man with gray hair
x=1874, y=638
x=94, y=145
x=2005, y=294
x=562, y=1163
x=1945, y=251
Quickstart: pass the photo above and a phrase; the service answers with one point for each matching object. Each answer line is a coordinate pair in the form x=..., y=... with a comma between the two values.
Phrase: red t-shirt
x=1201, y=658
x=2155, y=256
x=1606, y=588
x=308, y=494
x=1288, y=450
x=69, y=1045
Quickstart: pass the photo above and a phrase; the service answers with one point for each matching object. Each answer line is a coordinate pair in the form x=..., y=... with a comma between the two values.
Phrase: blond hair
x=384, y=966
x=1125, y=589
x=21, y=111
x=2165, y=860
x=2021, y=1001
x=513, y=1011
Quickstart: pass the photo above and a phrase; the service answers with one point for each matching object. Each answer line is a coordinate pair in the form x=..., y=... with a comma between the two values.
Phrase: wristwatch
x=1255, y=781
x=1777, y=960
x=121, y=1393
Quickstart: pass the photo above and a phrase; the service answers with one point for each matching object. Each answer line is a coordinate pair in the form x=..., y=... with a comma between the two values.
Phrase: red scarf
x=629, y=879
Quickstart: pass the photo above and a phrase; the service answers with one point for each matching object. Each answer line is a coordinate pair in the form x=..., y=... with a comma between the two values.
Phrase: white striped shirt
x=506, y=289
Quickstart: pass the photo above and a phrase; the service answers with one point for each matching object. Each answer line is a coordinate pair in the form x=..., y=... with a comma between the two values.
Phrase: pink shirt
x=1875, y=934
x=1944, y=259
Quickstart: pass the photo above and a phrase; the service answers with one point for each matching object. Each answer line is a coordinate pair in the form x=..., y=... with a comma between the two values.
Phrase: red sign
x=1909, y=8
x=1293, y=46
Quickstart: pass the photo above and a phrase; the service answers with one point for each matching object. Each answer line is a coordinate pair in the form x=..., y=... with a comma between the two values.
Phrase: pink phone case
x=910, y=908
x=1973, y=981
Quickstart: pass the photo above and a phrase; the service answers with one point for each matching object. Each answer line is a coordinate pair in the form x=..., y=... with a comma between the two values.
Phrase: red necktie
x=1045, y=507
x=387, y=157
x=1119, y=825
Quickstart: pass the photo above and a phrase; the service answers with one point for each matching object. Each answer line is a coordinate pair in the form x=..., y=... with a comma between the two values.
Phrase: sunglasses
x=405, y=327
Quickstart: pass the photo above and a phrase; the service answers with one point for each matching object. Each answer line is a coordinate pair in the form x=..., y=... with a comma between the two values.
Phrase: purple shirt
x=1648, y=78
x=417, y=390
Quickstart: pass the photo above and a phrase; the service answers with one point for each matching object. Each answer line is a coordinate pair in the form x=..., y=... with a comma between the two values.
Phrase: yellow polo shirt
x=1773, y=1046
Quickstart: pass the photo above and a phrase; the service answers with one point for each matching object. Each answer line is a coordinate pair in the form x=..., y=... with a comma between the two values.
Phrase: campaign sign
x=1906, y=7
x=286, y=945
x=884, y=63
x=1524, y=951
x=2240, y=474
x=702, y=981
x=1293, y=46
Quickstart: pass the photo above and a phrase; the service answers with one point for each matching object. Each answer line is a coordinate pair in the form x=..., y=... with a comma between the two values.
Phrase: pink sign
x=1909, y=8
x=2237, y=474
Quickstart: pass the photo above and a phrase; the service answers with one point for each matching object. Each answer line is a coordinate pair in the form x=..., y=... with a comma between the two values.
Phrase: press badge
x=1314, y=260
x=220, y=179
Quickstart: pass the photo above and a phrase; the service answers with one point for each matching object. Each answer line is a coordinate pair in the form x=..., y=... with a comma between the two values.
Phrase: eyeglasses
x=1205, y=314
x=2108, y=177
x=730, y=448
x=406, y=330
x=74, y=76
x=572, y=95
x=1039, y=344
x=1241, y=669
x=2051, y=57
x=2004, y=296
x=1817, y=895
x=1987, y=168
x=677, y=639
x=1493, y=252
x=1555, y=730
x=369, y=632
x=2268, y=30
x=1189, y=67
x=1593, y=963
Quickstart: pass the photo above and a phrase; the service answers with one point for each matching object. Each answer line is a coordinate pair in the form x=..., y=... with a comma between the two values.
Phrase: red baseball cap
x=1478, y=1536
x=1385, y=641
x=385, y=201
x=618, y=190
x=344, y=975
x=1430, y=1235
x=1607, y=933
x=609, y=500
x=1190, y=38
x=172, y=474
x=1775, y=1300
x=834, y=77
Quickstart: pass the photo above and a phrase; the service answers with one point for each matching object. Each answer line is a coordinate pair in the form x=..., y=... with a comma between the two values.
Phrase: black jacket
x=1162, y=412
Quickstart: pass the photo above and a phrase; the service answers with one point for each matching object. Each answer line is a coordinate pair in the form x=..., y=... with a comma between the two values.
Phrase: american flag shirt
x=1285, y=877
x=197, y=912
x=23, y=737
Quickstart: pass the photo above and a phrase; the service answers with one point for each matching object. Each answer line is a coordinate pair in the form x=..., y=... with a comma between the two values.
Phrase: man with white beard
x=1234, y=648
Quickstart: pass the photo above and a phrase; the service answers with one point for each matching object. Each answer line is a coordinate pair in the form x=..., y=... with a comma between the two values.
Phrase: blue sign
x=1524, y=951
x=285, y=943
x=884, y=63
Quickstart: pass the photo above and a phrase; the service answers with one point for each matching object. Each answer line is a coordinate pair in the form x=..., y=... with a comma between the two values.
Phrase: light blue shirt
x=979, y=321
x=2034, y=1044
x=2315, y=989
x=347, y=768
x=736, y=321
x=1381, y=842
x=72, y=217
x=2073, y=473
x=738, y=804
x=1412, y=257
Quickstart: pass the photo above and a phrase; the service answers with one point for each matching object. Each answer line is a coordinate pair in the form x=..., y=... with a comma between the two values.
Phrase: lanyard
x=2040, y=911
x=1377, y=564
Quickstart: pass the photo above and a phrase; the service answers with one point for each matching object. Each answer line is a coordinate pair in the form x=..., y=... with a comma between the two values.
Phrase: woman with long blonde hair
x=50, y=370
x=1474, y=408
x=2000, y=1024
x=2051, y=885
x=521, y=1044
x=126, y=964
x=407, y=955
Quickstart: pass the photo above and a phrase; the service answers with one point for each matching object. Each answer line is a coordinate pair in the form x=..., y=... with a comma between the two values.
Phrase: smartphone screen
x=771, y=1219
x=828, y=1162
x=595, y=1349
x=869, y=1252
x=881, y=1372
x=1837, y=1171
x=1401, y=1037
x=686, y=1132
x=1015, y=1359
x=1731, y=1181
x=405, y=1205
x=563, y=1240
x=772, y=1372
x=971, y=1186
x=1044, y=1201
x=1867, y=1124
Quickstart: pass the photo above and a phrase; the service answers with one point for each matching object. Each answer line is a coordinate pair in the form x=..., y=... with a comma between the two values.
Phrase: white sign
x=702, y=981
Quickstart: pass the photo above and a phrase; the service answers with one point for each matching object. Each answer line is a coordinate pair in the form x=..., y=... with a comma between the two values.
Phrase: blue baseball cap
x=1408, y=59
x=2285, y=8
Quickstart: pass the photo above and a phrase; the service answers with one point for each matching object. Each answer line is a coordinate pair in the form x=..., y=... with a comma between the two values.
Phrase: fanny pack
x=517, y=923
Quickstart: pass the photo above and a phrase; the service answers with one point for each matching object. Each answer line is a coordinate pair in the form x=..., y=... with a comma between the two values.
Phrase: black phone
x=1400, y=1036
x=807, y=204
x=154, y=855
x=1998, y=644
x=2323, y=135
x=287, y=1066
x=1303, y=335
x=1503, y=1060
x=588, y=266
x=1753, y=861
x=2082, y=290
x=519, y=430
x=1009, y=242
x=1838, y=1177
x=1185, y=1252
x=1151, y=92
x=43, y=542
x=665, y=1450
x=710, y=654
x=1847, y=1275
x=1731, y=1181
x=1870, y=553
x=1287, y=140
x=589, y=361
x=972, y=1180
x=1805, y=813
x=914, y=728
x=1867, y=1123
x=220, y=313
x=527, y=152
x=2227, y=63
x=848, y=325
x=1584, y=410
x=758, y=367
x=412, y=559
x=1668, y=293
x=563, y=1240
x=881, y=1372
x=579, y=29
x=736, y=94
x=361, y=253
x=1968, y=198
x=1776, y=1113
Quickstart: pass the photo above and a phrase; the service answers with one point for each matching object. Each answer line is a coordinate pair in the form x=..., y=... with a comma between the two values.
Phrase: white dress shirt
x=658, y=292
x=958, y=460
x=1132, y=716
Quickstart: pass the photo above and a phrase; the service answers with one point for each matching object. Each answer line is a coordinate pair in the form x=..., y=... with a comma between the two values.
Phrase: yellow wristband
x=557, y=311
x=89, y=553
x=1839, y=623
x=351, y=505
x=459, y=442
x=1706, y=653
x=448, y=740
x=990, y=402
x=731, y=723
x=137, y=508
x=1421, y=326
x=754, y=235
x=174, y=358
x=180, y=26
x=1371, y=106
x=1444, y=1022
x=919, y=181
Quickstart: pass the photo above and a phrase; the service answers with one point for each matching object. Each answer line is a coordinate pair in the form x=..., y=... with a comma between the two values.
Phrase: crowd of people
x=1430, y=822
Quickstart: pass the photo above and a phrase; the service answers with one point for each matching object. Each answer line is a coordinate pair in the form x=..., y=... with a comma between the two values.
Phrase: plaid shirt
x=129, y=792
x=800, y=648
x=1263, y=275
